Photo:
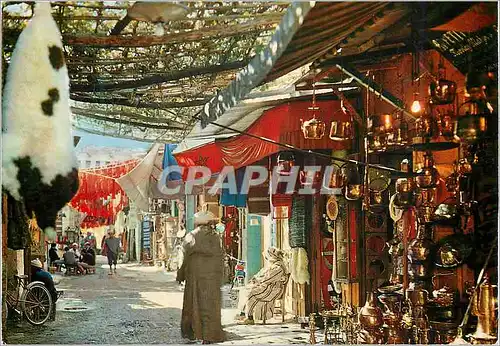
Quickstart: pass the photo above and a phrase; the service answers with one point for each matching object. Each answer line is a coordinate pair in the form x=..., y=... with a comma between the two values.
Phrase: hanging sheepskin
x=39, y=164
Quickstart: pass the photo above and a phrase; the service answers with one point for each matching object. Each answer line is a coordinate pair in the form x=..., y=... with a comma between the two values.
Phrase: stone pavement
x=138, y=305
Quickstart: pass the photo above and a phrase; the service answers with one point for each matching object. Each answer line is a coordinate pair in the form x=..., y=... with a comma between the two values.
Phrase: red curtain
x=281, y=123
x=98, y=189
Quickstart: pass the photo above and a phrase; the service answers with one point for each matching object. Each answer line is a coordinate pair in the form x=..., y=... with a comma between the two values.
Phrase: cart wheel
x=36, y=303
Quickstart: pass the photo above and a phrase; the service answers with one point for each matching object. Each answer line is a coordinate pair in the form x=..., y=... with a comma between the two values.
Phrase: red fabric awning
x=475, y=18
x=281, y=124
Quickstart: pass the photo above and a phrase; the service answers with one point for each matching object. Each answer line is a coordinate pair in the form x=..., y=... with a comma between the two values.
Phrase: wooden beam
x=157, y=79
x=129, y=115
x=91, y=114
x=121, y=101
x=172, y=138
x=217, y=31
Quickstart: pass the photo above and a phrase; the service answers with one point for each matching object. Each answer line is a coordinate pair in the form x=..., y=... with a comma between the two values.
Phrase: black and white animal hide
x=39, y=164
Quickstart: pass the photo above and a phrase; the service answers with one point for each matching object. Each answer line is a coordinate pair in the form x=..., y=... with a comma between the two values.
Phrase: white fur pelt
x=36, y=113
x=299, y=266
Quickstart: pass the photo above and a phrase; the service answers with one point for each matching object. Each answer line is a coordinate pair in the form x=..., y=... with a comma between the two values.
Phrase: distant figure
x=38, y=274
x=74, y=248
x=70, y=259
x=112, y=245
x=54, y=256
x=88, y=255
x=202, y=269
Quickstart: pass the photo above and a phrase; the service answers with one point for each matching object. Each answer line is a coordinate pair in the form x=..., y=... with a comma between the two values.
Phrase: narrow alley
x=138, y=305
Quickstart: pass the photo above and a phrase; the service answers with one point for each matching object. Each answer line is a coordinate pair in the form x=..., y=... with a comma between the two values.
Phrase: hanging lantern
x=280, y=213
x=285, y=162
x=354, y=188
x=401, y=135
x=377, y=137
x=337, y=179
x=341, y=130
x=379, y=181
x=282, y=205
x=473, y=120
x=313, y=128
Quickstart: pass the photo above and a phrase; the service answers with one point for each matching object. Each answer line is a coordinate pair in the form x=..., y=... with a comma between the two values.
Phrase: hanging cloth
x=237, y=200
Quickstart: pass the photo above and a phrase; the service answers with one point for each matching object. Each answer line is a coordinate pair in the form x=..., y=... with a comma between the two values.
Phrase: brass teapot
x=313, y=128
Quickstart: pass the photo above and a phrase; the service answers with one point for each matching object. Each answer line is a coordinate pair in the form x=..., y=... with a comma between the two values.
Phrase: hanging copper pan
x=340, y=130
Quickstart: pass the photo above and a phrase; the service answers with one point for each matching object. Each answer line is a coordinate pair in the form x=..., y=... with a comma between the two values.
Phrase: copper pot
x=341, y=130
x=417, y=296
x=313, y=128
x=428, y=175
x=370, y=316
x=405, y=185
x=442, y=92
x=471, y=127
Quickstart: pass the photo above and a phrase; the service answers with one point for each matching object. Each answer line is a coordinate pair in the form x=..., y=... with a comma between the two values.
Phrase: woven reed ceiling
x=128, y=82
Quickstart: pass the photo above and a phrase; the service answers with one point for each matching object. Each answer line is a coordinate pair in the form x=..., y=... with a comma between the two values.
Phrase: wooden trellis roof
x=128, y=82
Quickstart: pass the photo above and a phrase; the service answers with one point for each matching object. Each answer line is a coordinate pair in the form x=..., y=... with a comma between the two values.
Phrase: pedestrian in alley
x=202, y=269
x=112, y=248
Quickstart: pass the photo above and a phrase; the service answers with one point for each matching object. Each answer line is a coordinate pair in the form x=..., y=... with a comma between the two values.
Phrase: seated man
x=87, y=258
x=257, y=300
x=38, y=274
x=70, y=259
x=53, y=256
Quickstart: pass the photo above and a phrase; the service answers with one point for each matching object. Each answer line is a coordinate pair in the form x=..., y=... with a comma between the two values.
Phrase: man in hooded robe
x=257, y=299
x=202, y=269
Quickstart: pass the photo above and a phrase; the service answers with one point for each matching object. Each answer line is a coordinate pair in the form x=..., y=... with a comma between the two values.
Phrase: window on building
x=88, y=163
x=107, y=163
x=98, y=163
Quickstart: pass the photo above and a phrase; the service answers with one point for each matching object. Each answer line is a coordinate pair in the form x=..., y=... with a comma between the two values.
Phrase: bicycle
x=35, y=302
